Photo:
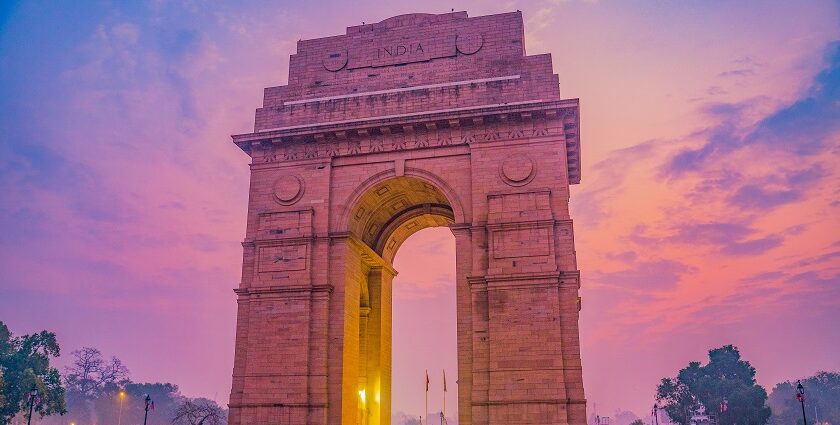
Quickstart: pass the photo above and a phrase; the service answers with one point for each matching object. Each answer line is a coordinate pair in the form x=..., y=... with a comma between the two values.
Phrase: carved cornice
x=292, y=405
x=562, y=279
x=277, y=290
x=534, y=401
x=379, y=142
x=552, y=120
x=524, y=224
x=451, y=118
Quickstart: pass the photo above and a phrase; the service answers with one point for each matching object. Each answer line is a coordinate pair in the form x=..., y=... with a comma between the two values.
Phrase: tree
x=165, y=397
x=91, y=379
x=24, y=365
x=199, y=411
x=91, y=375
x=725, y=386
x=822, y=392
x=637, y=422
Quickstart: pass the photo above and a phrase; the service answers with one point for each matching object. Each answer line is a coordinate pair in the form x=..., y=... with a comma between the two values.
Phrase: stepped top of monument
x=409, y=64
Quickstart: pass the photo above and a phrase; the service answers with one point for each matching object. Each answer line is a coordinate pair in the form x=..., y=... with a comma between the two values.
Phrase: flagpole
x=427, y=397
x=443, y=413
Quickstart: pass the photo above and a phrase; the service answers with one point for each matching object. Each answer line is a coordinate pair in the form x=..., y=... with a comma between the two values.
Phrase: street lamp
x=119, y=417
x=149, y=402
x=32, y=394
x=655, y=413
x=800, y=395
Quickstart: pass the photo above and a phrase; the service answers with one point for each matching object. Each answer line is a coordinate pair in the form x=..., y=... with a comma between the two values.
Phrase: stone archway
x=380, y=220
x=416, y=121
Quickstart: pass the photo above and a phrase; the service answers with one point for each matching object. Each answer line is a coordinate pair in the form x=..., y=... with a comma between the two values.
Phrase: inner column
x=378, y=360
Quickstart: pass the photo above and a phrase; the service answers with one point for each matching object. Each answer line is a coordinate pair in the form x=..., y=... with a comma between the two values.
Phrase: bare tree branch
x=90, y=374
x=199, y=411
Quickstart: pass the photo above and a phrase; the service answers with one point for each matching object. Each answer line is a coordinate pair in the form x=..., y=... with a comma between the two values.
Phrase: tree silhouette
x=725, y=386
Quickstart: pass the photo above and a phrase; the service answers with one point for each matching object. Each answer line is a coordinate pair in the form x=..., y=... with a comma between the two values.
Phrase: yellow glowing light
x=377, y=396
x=362, y=395
x=122, y=393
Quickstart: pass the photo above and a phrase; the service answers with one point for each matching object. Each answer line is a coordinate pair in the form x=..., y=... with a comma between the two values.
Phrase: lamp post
x=800, y=395
x=119, y=417
x=148, y=401
x=655, y=413
x=32, y=394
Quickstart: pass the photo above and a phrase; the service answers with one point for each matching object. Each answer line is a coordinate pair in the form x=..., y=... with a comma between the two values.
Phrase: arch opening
x=425, y=336
x=382, y=217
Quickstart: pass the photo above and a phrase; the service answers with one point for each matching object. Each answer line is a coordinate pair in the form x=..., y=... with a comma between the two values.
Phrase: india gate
x=420, y=120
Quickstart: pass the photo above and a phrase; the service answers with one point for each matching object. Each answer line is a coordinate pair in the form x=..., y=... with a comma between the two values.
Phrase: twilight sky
x=707, y=214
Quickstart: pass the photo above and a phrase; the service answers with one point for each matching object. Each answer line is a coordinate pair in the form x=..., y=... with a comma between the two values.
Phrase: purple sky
x=707, y=215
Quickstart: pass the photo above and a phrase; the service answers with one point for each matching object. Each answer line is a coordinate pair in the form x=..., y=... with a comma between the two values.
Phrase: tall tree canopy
x=90, y=375
x=725, y=386
x=822, y=399
x=24, y=365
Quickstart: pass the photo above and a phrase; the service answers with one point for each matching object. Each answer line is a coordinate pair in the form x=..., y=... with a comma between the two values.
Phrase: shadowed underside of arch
x=392, y=210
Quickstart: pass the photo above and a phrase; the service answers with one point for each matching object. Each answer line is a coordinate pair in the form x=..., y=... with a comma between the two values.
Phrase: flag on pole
x=444, y=381
x=427, y=397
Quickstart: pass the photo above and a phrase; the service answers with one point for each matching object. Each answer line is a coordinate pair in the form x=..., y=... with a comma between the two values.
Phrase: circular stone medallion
x=335, y=61
x=469, y=44
x=288, y=189
x=518, y=170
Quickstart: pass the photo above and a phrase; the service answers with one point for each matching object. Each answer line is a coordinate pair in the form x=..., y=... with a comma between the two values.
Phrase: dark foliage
x=725, y=386
x=24, y=365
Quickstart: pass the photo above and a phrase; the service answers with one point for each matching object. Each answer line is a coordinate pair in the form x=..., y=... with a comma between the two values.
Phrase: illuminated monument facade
x=416, y=121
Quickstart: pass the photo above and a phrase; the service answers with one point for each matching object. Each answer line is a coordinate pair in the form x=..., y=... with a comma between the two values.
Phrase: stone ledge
x=296, y=405
x=270, y=290
x=341, y=128
x=538, y=401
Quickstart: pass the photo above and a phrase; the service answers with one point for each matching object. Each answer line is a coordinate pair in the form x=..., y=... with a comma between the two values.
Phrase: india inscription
x=417, y=121
x=399, y=50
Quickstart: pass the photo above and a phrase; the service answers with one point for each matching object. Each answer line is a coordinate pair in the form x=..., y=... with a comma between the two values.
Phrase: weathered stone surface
x=416, y=121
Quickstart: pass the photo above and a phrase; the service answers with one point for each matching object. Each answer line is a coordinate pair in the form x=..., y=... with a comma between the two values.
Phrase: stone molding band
x=274, y=290
x=401, y=90
x=567, y=106
x=295, y=405
x=539, y=401
x=563, y=279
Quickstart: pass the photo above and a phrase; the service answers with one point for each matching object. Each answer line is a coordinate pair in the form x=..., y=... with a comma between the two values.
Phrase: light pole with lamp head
x=655, y=413
x=800, y=395
x=149, y=402
x=119, y=417
x=32, y=394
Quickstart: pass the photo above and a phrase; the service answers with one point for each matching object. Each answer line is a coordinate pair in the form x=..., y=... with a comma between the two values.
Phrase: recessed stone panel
x=285, y=224
x=282, y=258
x=517, y=243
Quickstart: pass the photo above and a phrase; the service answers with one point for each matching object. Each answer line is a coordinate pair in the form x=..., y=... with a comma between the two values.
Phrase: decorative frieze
x=335, y=146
